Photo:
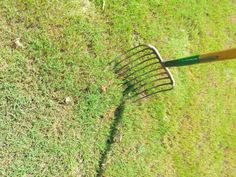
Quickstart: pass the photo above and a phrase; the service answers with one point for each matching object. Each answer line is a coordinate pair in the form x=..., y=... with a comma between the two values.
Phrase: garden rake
x=145, y=73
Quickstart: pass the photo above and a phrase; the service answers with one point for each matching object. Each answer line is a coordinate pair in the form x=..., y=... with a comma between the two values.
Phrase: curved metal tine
x=164, y=90
x=155, y=75
x=149, y=83
x=126, y=77
x=127, y=51
x=142, y=75
x=127, y=64
x=123, y=54
x=136, y=65
x=159, y=85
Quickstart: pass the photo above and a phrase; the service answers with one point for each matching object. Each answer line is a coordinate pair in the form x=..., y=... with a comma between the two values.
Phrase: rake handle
x=209, y=57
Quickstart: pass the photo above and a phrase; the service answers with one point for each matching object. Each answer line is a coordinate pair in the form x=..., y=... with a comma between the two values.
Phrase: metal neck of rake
x=205, y=58
x=183, y=61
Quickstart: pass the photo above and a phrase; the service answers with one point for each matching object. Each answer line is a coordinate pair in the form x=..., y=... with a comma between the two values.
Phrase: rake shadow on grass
x=111, y=138
x=118, y=115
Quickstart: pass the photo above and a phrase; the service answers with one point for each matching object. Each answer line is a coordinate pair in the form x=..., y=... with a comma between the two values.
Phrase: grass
x=55, y=120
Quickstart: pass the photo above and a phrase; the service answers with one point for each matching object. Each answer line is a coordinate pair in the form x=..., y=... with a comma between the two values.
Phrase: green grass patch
x=60, y=104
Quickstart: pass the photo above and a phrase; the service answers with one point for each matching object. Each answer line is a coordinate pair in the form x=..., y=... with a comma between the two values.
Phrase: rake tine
x=142, y=75
x=121, y=55
x=160, y=85
x=141, y=69
x=149, y=59
x=149, y=83
x=127, y=51
x=165, y=68
x=164, y=90
x=133, y=61
x=155, y=75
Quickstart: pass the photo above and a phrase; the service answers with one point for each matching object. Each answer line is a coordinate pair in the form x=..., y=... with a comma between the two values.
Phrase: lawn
x=61, y=109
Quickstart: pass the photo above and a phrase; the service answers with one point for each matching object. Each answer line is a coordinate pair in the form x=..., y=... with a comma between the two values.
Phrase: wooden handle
x=218, y=56
x=215, y=56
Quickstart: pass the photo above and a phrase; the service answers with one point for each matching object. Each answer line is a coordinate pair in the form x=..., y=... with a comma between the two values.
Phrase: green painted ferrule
x=183, y=61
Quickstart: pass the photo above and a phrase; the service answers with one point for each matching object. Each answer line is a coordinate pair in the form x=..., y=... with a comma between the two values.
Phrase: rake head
x=143, y=72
